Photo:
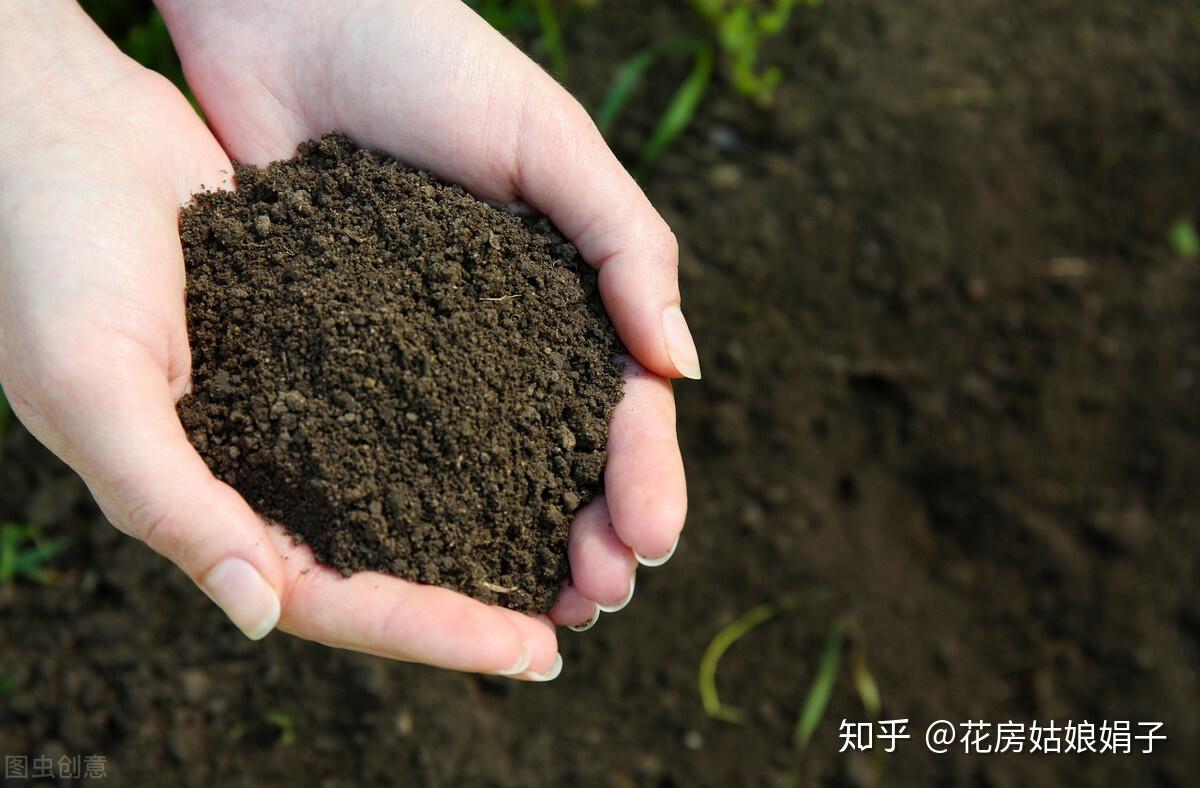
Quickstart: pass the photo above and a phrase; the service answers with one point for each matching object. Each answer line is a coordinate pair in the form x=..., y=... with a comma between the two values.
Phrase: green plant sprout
x=282, y=722
x=533, y=16
x=23, y=553
x=734, y=632
x=717, y=648
x=813, y=711
x=1184, y=239
x=868, y=695
x=822, y=687
x=551, y=39
x=864, y=682
x=841, y=632
x=740, y=27
x=683, y=105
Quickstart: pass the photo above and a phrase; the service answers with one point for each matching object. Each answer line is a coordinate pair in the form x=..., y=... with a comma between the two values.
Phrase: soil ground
x=950, y=395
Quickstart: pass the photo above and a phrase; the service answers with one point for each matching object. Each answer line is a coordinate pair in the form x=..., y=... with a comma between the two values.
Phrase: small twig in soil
x=496, y=588
x=501, y=298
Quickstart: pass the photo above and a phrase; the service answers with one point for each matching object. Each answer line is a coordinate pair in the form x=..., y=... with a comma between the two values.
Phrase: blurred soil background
x=945, y=287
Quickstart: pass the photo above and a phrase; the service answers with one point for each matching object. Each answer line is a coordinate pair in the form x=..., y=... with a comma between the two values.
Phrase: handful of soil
x=407, y=379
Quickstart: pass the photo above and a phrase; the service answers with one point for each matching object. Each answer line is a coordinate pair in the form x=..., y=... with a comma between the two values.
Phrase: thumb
x=131, y=449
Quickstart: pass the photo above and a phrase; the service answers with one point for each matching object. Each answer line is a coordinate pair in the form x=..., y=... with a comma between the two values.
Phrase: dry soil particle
x=406, y=378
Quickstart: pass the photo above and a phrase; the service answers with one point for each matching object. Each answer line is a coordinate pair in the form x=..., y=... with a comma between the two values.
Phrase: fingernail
x=249, y=600
x=661, y=559
x=680, y=345
x=586, y=625
x=549, y=675
x=521, y=665
x=620, y=605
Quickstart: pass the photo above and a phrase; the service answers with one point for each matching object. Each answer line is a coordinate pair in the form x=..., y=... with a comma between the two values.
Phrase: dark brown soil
x=951, y=370
x=408, y=379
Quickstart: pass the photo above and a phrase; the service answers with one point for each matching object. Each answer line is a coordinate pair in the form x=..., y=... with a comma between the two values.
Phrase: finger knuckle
x=157, y=528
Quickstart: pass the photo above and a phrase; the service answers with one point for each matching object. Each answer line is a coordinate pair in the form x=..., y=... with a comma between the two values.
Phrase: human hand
x=93, y=177
x=431, y=83
x=96, y=155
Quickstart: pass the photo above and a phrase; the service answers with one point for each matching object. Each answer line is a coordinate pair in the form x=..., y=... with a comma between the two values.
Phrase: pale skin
x=96, y=156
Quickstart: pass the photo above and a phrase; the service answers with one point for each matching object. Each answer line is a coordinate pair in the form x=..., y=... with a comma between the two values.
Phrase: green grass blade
x=1185, y=241
x=681, y=110
x=822, y=687
x=12, y=536
x=865, y=685
x=551, y=38
x=629, y=76
x=22, y=554
x=712, y=659
x=30, y=562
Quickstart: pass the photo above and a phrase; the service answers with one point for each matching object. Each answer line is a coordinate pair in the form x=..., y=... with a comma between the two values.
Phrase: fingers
x=602, y=566
x=567, y=171
x=389, y=617
x=574, y=610
x=644, y=481
x=129, y=447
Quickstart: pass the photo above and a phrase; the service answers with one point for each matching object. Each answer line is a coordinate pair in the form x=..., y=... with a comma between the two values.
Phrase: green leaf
x=865, y=685
x=30, y=562
x=682, y=107
x=739, y=28
x=822, y=688
x=633, y=71
x=1184, y=239
x=629, y=76
x=774, y=21
x=11, y=536
x=734, y=632
x=680, y=111
x=22, y=554
x=712, y=659
x=551, y=38
x=282, y=721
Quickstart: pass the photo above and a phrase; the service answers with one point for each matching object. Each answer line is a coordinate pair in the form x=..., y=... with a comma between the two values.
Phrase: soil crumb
x=406, y=378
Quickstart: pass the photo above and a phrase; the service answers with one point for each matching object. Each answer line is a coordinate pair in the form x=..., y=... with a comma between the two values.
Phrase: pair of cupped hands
x=97, y=154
